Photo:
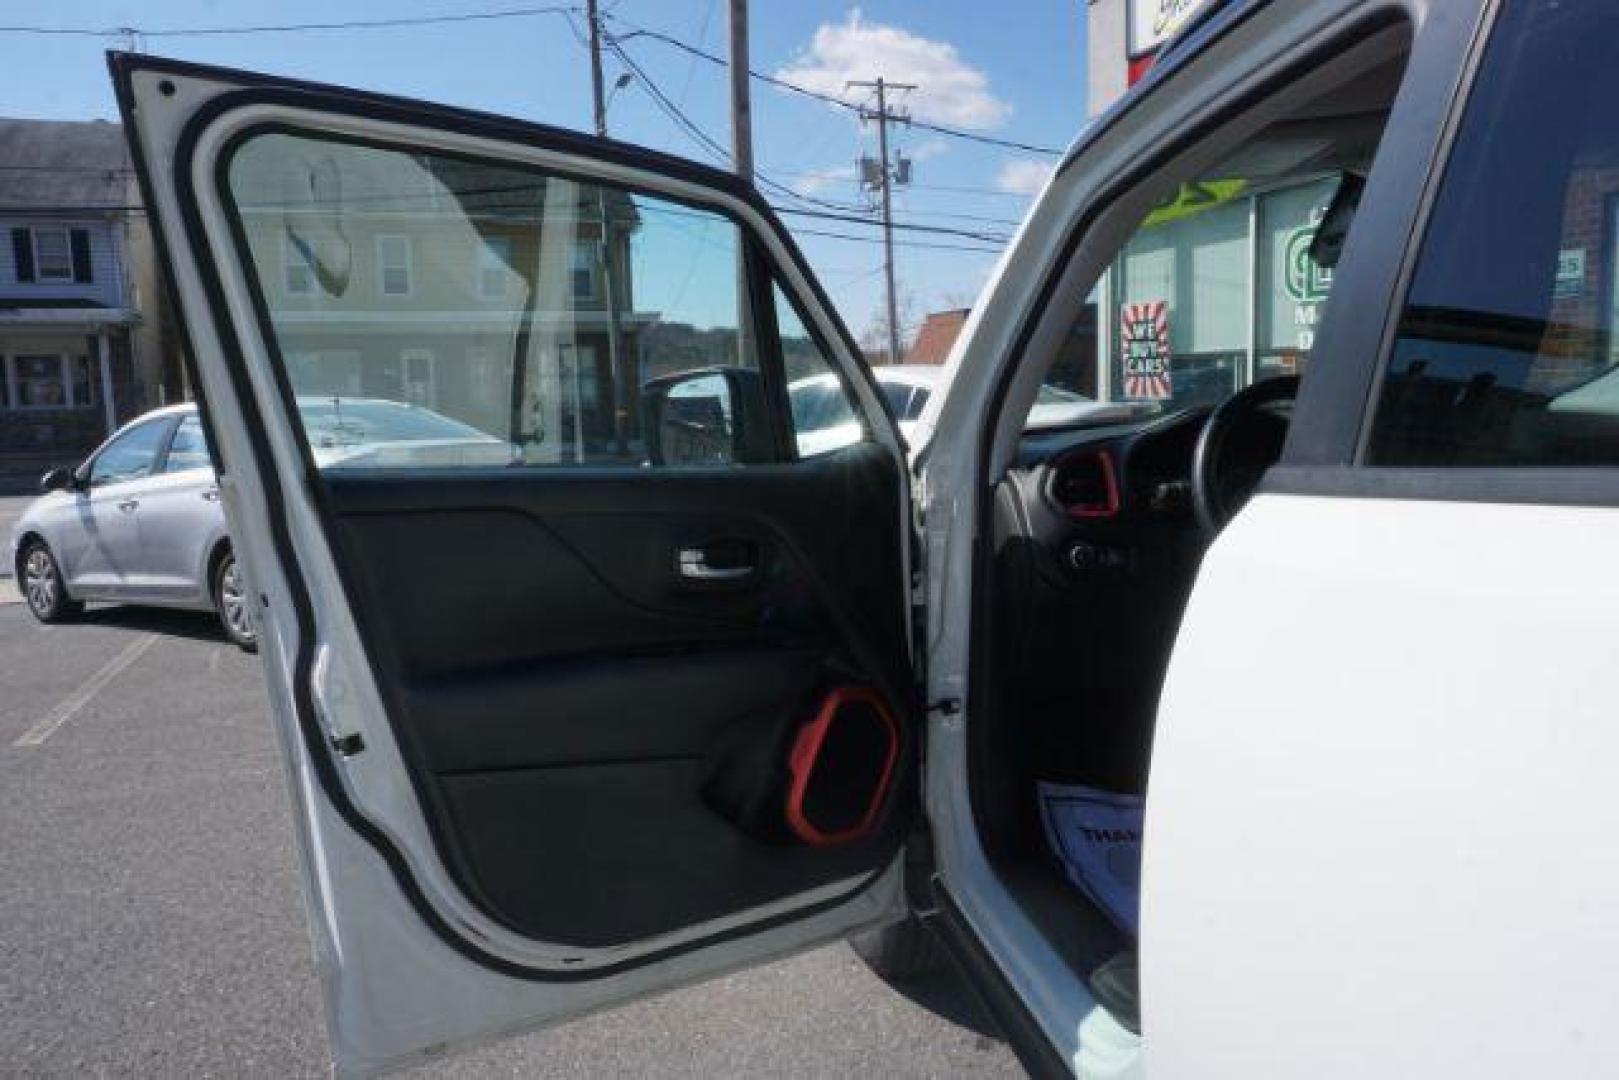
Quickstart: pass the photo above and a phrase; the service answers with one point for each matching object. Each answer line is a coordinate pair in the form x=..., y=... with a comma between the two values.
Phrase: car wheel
x=902, y=952
x=231, y=601
x=43, y=587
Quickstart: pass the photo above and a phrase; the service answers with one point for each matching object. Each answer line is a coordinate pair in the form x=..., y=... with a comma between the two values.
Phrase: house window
x=297, y=273
x=53, y=255
x=494, y=266
x=393, y=262
x=582, y=269
x=47, y=381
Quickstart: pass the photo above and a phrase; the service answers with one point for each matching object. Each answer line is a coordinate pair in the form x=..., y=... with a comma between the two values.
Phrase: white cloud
x=949, y=90
x=1020, y=176
x=818, y=180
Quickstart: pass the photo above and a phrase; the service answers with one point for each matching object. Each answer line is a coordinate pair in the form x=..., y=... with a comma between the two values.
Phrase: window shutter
x=80, y=238
x=22, y=247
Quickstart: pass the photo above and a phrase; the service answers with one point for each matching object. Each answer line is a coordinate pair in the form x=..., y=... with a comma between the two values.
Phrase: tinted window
x=1505, y=351
x=188, y=449
x=129, y=456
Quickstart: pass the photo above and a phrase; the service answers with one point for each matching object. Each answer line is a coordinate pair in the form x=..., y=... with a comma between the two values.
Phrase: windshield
x=345, y=422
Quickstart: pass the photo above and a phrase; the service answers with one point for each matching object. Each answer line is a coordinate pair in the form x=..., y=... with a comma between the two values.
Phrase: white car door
x=1381, y=812
x=180, y=520
x=103, y=553
x=632, y=710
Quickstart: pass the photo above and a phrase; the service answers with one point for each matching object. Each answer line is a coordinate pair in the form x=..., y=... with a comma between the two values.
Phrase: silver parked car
x=140, y=521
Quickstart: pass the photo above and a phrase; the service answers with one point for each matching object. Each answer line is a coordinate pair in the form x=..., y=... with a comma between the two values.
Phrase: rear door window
x=1505, y=352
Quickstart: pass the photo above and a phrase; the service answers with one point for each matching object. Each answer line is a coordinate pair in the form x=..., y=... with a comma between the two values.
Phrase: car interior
x=1097, y=534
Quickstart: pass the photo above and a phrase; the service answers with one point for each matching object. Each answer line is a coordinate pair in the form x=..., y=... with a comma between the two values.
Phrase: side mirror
x=712, y=416
x=57, y=479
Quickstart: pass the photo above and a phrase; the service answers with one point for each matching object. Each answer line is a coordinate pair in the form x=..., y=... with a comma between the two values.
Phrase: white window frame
x=593, y=263
x=383, y=266
x=488, y=262
x=40, y=277
x=292, y=258
x=64, y=374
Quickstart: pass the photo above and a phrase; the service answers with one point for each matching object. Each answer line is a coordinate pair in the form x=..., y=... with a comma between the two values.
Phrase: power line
x=791, y=87
x=899, y=243
x=290, y=28
x=988, y=238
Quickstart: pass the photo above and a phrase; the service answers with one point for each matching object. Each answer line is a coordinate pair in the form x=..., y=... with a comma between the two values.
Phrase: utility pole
x=741, y=108
x=883, y=177
x=605, y=255
x=742, y=161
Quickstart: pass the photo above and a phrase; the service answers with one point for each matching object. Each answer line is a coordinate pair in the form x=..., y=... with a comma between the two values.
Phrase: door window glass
x=1505, y=353
x=130, y=456
x=610, y=298
x=188, y=449
x=823, y=414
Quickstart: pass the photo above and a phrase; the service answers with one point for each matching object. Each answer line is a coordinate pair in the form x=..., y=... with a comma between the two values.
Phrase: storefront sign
x=1305, y=282
x=1144, y=340
x=1152, y=22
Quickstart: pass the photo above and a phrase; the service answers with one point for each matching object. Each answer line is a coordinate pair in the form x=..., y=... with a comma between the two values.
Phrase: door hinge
x=348, y=745
x=949, y=706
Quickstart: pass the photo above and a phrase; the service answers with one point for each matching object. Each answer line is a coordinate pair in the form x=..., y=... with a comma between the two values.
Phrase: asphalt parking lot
x=150, y=920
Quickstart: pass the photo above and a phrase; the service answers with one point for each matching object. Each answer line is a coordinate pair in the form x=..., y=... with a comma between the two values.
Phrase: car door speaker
x=842, y=763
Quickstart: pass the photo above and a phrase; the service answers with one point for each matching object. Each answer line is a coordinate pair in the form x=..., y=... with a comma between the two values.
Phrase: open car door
x=591, y=660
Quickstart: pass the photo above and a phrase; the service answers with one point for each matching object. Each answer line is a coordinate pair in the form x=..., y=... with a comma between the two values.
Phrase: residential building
x=82, y=333
x=936, y=336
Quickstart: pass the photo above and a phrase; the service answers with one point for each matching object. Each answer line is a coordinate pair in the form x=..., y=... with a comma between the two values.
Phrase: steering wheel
x=1241, y=438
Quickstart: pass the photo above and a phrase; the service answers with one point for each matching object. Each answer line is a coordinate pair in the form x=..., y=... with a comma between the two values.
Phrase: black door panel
x=566, y=698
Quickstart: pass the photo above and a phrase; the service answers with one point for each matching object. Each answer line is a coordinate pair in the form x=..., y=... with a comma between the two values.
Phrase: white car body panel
x=1395, y=845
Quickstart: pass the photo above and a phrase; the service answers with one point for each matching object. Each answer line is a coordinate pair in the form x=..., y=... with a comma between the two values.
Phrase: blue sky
x=1006, y=71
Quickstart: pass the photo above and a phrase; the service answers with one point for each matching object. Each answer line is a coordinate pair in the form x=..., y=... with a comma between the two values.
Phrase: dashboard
x=1096, y=545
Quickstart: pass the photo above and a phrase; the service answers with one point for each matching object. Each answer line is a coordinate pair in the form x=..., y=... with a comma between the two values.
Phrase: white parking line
x=74, y=702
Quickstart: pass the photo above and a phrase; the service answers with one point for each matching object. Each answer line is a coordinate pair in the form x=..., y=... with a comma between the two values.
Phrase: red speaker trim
x=807, y=749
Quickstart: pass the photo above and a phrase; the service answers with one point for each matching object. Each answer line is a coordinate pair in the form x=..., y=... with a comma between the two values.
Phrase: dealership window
x=494, y=266
x=1186, y=274
x=393, y=265
x=1505, y=349
x=1293, y=289
x=1215, y=290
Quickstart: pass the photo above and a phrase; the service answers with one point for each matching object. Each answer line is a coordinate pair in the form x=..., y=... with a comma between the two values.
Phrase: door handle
x=128, y=504
x=211, y=495
x=693, y=563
